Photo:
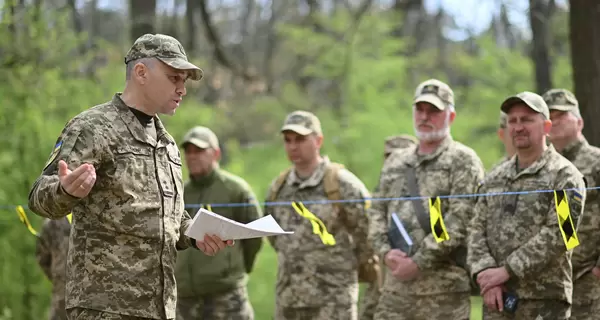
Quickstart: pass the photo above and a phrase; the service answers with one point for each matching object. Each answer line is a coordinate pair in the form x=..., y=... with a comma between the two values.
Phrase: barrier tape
x=327, y=201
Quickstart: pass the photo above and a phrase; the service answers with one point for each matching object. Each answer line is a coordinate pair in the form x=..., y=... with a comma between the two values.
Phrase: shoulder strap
x=278, y=183
x=413, y=188
x=331, y=182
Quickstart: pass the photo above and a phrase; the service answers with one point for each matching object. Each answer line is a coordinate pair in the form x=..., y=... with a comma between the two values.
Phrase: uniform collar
x=313, y=180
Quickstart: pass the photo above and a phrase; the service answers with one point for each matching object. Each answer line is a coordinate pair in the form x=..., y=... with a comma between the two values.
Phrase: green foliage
x=365, y=94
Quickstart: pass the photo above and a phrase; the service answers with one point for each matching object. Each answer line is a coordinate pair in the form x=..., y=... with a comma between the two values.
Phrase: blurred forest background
x=355, y=63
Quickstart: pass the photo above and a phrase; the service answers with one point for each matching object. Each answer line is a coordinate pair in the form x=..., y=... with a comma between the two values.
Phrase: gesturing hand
x=79, y=182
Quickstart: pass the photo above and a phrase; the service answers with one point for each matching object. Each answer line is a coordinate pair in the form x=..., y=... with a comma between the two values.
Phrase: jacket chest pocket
x=133, y=169
x=534, y=202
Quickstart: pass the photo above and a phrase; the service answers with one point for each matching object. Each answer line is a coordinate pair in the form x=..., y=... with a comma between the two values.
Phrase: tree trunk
x=142, y=14
x=584, y=24
x=540, y=13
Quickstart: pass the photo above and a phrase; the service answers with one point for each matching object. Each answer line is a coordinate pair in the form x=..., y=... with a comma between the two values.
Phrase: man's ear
x=547, y=126
x=140, y=72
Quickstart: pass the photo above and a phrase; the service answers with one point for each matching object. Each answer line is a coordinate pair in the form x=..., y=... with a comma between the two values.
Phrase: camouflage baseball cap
x=399, y=142
x=435, y=92
x=302, y=122
x=166, y=49
x=532, y=100
x=561, y=99
x=201, y=137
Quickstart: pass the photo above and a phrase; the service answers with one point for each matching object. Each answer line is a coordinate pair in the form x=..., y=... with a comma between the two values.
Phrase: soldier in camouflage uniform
x=515, y=244
x=51, y=254
x=118, y=171
x=567, y=139
x=373, y=292
x=317, y=279
x=215, y=288
x=431, y=281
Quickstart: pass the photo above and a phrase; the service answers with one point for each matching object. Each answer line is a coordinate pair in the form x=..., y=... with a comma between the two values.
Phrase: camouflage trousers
x=533, y=310
x=90, y=314
x=369, y=302
x=231, y=305
x=395, y=306
x=585, y=311
x=325, y=312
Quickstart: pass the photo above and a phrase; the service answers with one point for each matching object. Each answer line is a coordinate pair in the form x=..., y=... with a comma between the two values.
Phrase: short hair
x=148, y=62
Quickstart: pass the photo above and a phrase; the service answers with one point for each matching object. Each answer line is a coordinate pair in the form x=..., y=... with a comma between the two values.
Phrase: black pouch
x=511, y=302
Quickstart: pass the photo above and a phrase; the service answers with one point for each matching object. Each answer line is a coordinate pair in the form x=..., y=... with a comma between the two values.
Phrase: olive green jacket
x=198, y=274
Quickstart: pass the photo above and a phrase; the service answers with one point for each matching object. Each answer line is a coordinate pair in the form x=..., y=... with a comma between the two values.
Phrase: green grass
x=262, y=284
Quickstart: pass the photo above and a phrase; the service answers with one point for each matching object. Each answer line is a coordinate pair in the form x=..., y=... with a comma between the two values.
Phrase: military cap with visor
x=435, y=92
x=534, y=101
x=166, y=49
x=302, y=123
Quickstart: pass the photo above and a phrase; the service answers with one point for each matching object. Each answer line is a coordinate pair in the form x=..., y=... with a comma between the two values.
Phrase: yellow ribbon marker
x=438, y=228
x=70, y=217
x=565, y=222
x=25, y=221
x=207, y=207
x=318, y=225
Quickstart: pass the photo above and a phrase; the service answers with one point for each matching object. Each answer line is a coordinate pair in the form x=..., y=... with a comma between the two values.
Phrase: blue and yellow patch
x=54, y=153
x=577, y=196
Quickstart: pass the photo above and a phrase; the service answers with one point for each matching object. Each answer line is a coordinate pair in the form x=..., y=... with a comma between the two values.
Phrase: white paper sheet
x=209, y=222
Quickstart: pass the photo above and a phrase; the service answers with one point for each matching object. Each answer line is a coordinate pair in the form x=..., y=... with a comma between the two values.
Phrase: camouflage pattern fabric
x=586, y=286
x=401, y=305
x=521, y=232
x=453, y=169
x=534, y=310
x=91, y=314
x=126, y=232
x=232, y=305
x=321, y=278
x=370, y=298
x=51, y=254
x=328, y=311
x=166, y=49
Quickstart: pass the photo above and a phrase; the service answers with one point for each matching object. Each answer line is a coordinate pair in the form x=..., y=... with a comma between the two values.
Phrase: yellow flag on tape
x=565, y=222
x=70, y=217
x=318, y=225
x=438, y=228
x=25, y=221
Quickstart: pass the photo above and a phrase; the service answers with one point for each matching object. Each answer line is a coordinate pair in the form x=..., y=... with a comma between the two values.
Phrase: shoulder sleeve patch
x=53, y=154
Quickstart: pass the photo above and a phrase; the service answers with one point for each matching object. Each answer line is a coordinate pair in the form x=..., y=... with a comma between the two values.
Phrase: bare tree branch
x=220, y=53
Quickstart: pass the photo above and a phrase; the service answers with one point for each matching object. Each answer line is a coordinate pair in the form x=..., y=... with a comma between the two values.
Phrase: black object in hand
x=511, y=302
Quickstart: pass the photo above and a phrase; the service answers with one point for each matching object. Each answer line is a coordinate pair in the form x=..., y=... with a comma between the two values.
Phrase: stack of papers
x=207, y=222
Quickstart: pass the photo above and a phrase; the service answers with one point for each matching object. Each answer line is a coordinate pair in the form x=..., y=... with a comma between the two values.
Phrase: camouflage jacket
x=586, y=286
x=311, y=273
x=126, y=232
x=453, y=169
x=51, y=254
x=520, y=230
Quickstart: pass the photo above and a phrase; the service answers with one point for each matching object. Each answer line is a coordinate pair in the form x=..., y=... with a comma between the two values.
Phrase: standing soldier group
x=508, y=233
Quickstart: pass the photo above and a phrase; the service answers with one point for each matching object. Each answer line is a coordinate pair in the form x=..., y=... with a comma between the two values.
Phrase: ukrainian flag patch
x=577, y=196
x=54, y=153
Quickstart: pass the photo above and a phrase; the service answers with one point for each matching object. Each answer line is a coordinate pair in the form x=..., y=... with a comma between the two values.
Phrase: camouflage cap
x=532, y=100
x=302, y=122
x=201, y=137
x=435, y=92
x=561, y=99
x=398, y=142
x=166, y=49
